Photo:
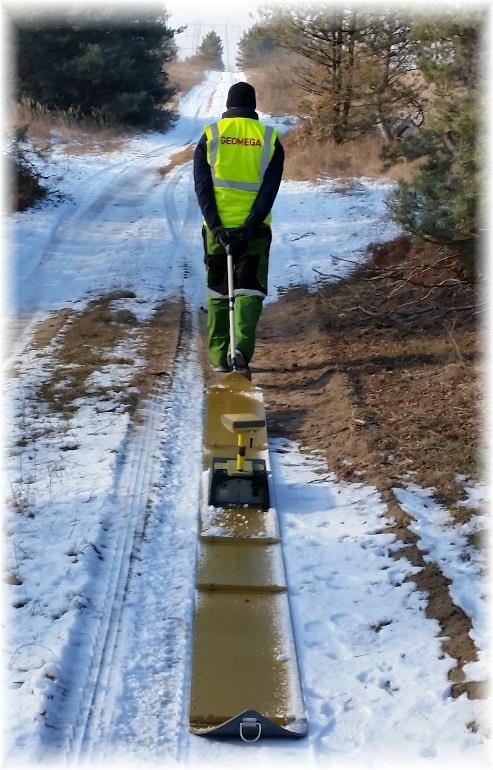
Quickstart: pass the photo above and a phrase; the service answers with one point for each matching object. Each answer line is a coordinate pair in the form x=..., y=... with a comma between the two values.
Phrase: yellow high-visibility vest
x=238, y=152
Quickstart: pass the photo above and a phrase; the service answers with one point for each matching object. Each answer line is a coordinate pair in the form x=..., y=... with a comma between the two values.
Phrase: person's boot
x=241, y=364
x=221, y=368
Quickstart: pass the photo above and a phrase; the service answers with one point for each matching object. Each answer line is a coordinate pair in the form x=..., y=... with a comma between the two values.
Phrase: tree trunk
x=348, y=93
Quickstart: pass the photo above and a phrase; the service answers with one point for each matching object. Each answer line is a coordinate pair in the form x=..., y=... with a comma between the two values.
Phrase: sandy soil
x=382, y=394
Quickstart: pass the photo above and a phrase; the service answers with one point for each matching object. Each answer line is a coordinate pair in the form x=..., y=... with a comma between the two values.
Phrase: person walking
x=238, y=165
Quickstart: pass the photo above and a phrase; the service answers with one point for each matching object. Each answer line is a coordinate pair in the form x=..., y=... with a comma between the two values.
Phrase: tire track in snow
x=141, y=711
x=93, y=204
x=148, y=552
x=138, y=475
x=156, y=456
x=150, y=716
x=97, y=195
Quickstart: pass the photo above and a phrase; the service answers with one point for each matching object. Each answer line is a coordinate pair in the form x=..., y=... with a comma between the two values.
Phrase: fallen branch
x=332, y=276
x=364, y=310
x=303, y=235
x=344, y=259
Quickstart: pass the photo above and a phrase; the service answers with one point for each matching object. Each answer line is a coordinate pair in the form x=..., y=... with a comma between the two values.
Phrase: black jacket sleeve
x=268, y=189
x=204, y=188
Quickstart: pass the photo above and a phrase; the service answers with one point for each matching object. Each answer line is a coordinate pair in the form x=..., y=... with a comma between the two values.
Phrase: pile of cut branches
x=406, y=287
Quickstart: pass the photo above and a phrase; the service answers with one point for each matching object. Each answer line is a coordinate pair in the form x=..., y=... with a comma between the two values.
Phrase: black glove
x=233, y=237
x=220, y=234
x=240, y=235
x=238, y=241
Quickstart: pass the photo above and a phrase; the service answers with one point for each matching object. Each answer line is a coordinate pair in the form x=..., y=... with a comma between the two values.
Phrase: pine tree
x=355, y=66
x=211, y=51
x=97, y=63
x=256, y=47
x=441, y=202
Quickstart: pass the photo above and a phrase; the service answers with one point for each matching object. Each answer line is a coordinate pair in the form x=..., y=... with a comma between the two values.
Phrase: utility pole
x=226, y=31
x=227, y=62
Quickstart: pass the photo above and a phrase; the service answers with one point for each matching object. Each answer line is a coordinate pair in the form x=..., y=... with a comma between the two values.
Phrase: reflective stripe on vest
x=240, y=148
x=264, y=162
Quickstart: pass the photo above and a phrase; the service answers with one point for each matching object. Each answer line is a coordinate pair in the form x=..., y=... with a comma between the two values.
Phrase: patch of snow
x=447, y=543
x=321, y=231
x=478, y=496
x=373, y=671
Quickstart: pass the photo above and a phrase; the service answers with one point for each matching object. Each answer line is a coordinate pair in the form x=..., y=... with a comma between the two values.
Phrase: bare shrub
x=27, y=182
x=390, y=253
x=28, y=186
x=277, y=93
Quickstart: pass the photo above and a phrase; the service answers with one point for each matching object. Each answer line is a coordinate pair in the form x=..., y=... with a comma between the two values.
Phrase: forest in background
x=107, y=65
x=94, y=72
x=371, y=92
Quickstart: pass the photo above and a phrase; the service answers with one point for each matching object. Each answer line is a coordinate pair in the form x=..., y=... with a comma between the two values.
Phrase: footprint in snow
x=327, y=710
x=339, y=618
x=316, y=633
x=388, y=686
x=395, y=577
x=365, y=677
x=363, y=635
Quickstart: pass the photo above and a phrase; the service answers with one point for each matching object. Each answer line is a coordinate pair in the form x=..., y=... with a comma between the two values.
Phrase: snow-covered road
x=102, y=529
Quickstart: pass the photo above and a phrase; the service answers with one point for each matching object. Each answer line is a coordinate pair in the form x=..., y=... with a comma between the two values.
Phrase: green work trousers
x=250, y=283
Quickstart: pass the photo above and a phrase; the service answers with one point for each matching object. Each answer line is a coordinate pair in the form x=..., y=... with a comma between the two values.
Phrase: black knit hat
x=241, y=95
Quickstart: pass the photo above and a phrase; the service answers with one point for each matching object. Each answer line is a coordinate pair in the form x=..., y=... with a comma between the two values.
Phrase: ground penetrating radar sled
x=245, y=680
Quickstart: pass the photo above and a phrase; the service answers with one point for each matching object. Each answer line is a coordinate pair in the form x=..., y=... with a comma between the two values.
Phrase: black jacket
x=205, y=190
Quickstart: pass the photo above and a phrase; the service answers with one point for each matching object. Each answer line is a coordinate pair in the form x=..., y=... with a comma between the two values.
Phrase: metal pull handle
x=249, y=723
x=231, y=298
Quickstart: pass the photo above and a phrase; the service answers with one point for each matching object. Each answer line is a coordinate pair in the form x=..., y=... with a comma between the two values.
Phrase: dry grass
x=65, y=128
x=277, y=93
x=411, y=354
x=183, y=156
x=90, y=145
x=184, y=75
x=87, y=342
x=49, y=328
x=308, y=158
x=404, y=331
x=85, y=347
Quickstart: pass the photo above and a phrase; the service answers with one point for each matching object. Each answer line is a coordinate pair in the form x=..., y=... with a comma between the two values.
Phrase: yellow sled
x=245, y=679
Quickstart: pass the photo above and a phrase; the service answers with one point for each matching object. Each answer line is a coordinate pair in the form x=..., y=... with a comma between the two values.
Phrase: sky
x=229, y=20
